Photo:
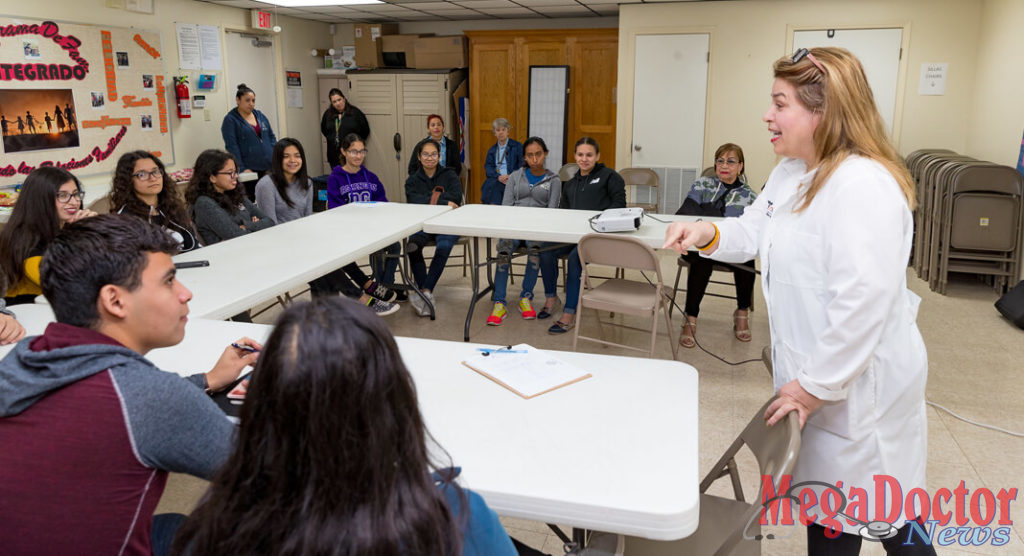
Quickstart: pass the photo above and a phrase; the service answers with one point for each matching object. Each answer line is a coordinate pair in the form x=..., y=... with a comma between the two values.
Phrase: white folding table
x=255, y=267
x=534, y=224
x=616, y=452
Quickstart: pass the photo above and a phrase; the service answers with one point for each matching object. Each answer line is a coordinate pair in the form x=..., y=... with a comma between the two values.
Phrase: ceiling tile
x=241, y=4
x=508, y=11
x=430, y=5
x=533, y=3
x=606, y=9
x=564, y=11
x=478, y=4
x=334, y=10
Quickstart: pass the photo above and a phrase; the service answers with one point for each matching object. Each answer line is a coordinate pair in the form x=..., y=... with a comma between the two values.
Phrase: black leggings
x=849, y=543
x=699, y=275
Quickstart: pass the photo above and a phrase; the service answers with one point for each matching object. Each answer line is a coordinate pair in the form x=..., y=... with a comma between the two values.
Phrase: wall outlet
x=206, y=115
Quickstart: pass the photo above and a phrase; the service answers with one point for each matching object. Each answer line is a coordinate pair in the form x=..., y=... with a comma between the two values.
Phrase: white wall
x=748, y=35
x=192, y=136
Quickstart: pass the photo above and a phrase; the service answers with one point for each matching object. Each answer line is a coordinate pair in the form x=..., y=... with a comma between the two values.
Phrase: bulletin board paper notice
x=294, y=97
x=209, y=47
x=526, y=370
x=188, y=46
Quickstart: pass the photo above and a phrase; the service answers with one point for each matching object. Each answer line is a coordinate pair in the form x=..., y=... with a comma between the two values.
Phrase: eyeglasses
x=354, y=152
x=233, y=173
x=144, y=175
x=65, y=197
x=801, y=53
x=428, y=155
x=726, y=162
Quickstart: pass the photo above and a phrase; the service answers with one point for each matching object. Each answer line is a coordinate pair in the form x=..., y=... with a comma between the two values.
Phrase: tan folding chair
x=100, y=206
x=636, y=180
x=723, y=521
x=568, y=171
x=619, y=295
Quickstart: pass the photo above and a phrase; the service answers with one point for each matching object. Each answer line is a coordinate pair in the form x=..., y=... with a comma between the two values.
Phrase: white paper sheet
x=528, y=373
x=188, y=46
x=209, y=47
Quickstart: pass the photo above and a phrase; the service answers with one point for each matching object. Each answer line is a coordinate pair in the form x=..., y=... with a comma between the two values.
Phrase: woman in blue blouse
x=726, y=194
x=248, y=137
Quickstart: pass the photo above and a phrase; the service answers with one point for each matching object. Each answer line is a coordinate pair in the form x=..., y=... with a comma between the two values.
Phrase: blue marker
x=242, y=347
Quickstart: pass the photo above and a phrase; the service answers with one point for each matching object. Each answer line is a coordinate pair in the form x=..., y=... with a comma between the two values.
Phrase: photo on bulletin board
x=31, y=50
x=147, y=82
x=122, y=60
x=98, y=101
x=38, y=119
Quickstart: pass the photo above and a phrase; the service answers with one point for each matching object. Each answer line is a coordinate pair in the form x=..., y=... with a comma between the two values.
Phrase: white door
x=254, y=66
x=879, y=53
x=376, y=95
x=669, y=95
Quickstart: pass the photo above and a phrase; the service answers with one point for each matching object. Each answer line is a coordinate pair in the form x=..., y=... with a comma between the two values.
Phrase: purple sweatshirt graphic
x=361, y=187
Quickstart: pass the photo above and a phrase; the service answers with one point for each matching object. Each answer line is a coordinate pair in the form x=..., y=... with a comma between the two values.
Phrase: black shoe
x=381, y=292
x=400, y=296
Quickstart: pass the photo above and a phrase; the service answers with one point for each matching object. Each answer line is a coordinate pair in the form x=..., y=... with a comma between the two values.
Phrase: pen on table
x=488, y=351
x=244, y=347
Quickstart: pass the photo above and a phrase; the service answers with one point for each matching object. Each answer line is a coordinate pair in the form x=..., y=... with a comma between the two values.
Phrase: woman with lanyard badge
x=340, y=119
x=503, y=158
x=833, y=229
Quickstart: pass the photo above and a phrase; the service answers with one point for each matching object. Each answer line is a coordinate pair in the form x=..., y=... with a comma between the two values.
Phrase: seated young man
x=89, y=427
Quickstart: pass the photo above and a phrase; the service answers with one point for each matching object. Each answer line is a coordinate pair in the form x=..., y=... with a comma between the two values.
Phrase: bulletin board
x=78, y=96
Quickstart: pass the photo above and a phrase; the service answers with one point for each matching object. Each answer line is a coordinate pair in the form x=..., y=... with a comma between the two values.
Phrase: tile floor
x=975, y=369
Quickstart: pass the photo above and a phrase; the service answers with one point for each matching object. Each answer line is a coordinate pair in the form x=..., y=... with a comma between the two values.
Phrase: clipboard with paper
x=525, y=370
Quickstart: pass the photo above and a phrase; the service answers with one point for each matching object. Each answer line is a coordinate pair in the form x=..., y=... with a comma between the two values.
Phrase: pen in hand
x=244, y=347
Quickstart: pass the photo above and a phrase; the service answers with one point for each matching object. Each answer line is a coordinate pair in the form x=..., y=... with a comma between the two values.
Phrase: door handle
x=397, y=140
x=637, y=148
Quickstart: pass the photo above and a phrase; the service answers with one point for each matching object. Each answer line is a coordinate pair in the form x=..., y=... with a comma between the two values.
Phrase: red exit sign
x=261, y=20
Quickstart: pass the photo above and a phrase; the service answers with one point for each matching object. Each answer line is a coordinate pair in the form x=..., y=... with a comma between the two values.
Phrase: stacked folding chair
x=969, y=219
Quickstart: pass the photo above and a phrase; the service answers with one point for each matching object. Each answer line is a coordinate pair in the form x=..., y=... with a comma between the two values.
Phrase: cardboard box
x=397, y=51
x=441, y=52
x=368, y=53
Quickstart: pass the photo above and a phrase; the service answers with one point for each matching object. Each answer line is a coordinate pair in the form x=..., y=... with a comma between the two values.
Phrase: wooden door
x=593, y=77
x=492, y=94
x=376, y=95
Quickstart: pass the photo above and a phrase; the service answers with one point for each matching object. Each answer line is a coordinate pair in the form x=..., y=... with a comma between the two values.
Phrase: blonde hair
x=849, y=120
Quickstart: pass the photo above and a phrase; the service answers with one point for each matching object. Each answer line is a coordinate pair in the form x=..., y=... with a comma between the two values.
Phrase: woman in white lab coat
x=833, y=229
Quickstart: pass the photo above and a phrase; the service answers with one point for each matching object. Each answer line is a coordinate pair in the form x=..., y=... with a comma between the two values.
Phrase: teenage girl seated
x=220, y=208
x=331, y=455
x=141, y=187
x=49, y=198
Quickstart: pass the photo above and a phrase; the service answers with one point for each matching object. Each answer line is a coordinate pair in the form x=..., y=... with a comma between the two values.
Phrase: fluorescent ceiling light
x=308, y=3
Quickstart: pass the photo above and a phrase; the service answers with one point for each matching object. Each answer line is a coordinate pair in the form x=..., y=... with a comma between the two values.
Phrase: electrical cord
x=975, y=423
x=694, y=333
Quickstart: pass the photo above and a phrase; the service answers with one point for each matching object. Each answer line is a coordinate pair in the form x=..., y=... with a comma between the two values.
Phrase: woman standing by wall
x=340, y=119
x=248, y=137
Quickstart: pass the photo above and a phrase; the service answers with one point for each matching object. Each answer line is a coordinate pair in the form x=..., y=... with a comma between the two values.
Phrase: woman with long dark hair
x=449, y=151
x=340, y=119
x=219, y=208
x=332, y=455
x=141, y=187
x=49, y=198
x=286, y=192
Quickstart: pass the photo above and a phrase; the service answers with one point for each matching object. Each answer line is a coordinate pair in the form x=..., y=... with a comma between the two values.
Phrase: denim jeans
x=549, y=268
x=426, y=280
x=505, y=249
x=165, y=526
x=385, y=263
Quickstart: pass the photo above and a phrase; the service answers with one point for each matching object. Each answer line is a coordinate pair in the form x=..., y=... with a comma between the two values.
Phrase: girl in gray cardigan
x=219, y=208
x=530, y=186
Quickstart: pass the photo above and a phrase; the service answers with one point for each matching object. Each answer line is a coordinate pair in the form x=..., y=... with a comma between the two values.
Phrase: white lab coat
x=842, y=320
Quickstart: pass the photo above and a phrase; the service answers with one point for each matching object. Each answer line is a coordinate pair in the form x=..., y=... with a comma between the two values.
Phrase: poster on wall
x=77, y=96
x=39, y=119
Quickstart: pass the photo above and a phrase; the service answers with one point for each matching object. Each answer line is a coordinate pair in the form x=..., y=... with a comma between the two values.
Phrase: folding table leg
x=404, y=267
x=475, y=264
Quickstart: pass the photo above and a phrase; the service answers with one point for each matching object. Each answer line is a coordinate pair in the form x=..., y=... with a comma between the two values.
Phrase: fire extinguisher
x=184, y=100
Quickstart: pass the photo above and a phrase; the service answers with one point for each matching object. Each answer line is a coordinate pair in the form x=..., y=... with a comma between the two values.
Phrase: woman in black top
x=340, y=119
x=449, y=151
x=141, y=187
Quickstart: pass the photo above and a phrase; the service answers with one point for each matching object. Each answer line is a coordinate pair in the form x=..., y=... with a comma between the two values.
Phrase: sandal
x=741, y=335
x=561, y=327
x=686, y=340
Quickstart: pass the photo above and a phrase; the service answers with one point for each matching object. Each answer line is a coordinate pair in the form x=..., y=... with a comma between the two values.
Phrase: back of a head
x=331, y=450
x=850, y=122
x=92, y=253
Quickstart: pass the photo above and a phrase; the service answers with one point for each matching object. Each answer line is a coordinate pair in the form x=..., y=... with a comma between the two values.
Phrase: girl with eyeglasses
x=724, y=194
x=141, y=187
x=49, y=198
x=219, y=208
x=351, y=182
x=833, y=228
